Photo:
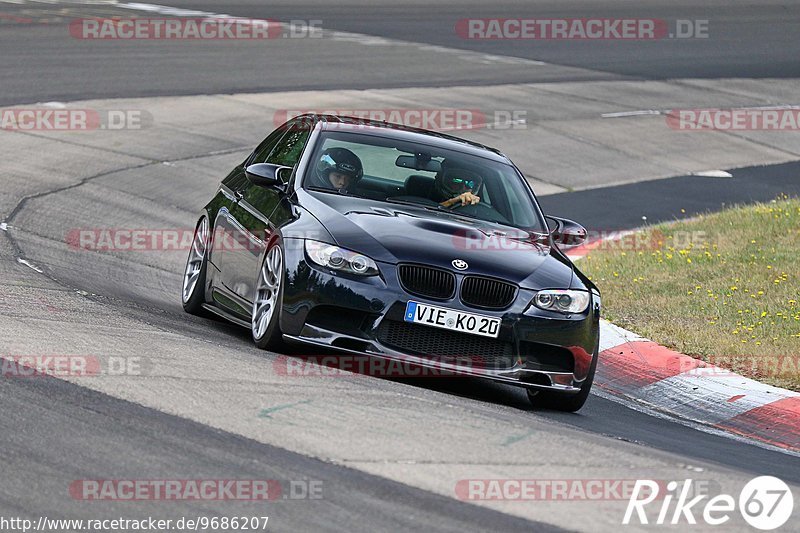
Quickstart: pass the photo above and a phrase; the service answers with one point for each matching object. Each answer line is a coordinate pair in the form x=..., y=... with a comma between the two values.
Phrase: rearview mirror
x=265, y=174
x=419, y=162
x=566, y=232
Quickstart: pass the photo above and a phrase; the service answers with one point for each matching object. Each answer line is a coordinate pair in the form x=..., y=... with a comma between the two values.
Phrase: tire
x=558, y=401
x=268, y=300
x=194, y=275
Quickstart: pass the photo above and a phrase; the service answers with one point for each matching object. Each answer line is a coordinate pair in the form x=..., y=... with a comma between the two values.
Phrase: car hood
x=394, y=234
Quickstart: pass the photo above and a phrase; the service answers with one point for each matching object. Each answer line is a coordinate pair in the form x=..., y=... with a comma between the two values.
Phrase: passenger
x=339, y=168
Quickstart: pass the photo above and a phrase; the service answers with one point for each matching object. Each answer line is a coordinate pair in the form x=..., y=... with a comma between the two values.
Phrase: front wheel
x=570, y=403
x=194, y=276
x=265, y=320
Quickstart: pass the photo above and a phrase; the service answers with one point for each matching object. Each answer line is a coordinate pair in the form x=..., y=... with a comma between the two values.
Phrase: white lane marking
x=171, y=11
x=713, y=174
x=29, y=265
x=52, y=105
x=72, y=2
x=771, y=107
x=467, y=55
x=619, y=114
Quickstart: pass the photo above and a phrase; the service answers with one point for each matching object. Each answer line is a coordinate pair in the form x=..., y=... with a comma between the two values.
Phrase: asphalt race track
x=388, y=453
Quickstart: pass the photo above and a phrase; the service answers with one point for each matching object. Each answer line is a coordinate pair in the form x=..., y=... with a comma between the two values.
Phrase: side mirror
x=265, y=174
x=566, y=232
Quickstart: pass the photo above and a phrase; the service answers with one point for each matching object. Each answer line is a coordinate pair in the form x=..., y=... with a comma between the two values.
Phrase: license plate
x=441, y=317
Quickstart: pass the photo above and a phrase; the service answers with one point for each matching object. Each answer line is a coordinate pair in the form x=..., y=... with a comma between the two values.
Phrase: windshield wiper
x=434, y=207
x=340, y=192
x=448, y=210
x=538, y=234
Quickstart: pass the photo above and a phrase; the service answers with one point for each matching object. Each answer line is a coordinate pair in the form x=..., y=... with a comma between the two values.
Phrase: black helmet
x=455, y=178
x=339, y=160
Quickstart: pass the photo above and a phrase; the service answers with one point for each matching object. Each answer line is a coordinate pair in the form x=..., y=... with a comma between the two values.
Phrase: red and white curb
x=680, y=385
x=670, y=382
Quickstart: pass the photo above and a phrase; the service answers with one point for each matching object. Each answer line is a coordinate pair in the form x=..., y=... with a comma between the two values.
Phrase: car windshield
x=401, y=172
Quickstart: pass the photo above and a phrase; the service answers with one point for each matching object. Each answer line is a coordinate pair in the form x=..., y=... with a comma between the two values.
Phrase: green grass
x=722, y=287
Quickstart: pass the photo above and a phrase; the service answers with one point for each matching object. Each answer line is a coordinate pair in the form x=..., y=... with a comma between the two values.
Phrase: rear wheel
x=194, y=276
x=570, y=403
x=265, y=321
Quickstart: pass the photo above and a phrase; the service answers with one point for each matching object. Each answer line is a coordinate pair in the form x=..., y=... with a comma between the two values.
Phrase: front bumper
x=540, y=349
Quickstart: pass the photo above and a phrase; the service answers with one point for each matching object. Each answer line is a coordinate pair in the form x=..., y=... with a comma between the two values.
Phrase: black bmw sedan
x=390, y=242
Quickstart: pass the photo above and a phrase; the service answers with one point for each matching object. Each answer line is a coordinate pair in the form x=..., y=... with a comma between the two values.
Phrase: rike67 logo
x=765, y=503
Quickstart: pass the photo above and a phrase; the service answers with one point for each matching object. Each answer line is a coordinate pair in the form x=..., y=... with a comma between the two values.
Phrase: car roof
x=406, y=133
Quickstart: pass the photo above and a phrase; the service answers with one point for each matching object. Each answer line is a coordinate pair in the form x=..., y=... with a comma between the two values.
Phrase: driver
x=456, y=186
x=338, y=168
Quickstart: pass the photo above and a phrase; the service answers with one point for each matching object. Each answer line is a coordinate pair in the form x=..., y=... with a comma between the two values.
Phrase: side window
x=266, y=147
x=287, y=152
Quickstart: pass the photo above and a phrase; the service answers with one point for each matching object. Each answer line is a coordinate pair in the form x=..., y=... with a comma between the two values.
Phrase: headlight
x=562, y=300
x=328, y=255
